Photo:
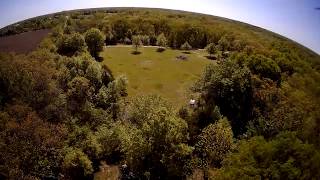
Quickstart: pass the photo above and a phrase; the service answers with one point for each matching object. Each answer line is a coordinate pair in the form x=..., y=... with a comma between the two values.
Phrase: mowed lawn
x=152, y=72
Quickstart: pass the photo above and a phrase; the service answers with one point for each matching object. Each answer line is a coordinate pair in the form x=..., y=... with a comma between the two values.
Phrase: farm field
x=153, y=72
x=24, y=42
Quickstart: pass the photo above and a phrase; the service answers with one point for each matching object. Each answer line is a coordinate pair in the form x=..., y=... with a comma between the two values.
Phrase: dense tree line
x=62, y=112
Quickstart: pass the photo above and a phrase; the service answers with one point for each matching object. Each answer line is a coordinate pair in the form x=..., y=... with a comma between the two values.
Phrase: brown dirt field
x=22, y=43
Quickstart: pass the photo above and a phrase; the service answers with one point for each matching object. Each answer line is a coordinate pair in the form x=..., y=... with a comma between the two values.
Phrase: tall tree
x=151, y=138
x=211, y=49
x=161, y=42
x=215, y=141
x=136, y=43
x=186, y=46
x=227, y=85
x=95, y=41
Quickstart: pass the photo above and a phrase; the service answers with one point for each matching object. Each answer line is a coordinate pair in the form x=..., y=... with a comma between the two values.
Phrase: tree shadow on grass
x=211, y=57
x=161, y=50
x=186, y=52
x=135, y=52
x=182, y=57
x=99, y=59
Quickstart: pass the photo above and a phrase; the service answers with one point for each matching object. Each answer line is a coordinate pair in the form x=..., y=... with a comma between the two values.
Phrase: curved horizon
x=307, y=36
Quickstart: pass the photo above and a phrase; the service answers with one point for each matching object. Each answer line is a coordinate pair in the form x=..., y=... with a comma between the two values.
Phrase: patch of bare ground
x=24, y=42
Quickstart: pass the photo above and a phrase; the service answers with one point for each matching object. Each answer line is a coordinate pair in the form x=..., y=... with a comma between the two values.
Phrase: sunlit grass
x=155, y=72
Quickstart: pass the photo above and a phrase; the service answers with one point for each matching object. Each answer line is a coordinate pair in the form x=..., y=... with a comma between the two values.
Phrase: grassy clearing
x=153, y=72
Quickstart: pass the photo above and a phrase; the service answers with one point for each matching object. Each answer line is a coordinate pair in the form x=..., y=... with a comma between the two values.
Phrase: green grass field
x=153, y=72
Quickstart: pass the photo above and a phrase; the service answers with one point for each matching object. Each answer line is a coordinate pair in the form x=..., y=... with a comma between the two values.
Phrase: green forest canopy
x=63, y=113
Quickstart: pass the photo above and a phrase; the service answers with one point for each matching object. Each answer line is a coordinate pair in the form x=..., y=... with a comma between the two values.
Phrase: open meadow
x=153, y=72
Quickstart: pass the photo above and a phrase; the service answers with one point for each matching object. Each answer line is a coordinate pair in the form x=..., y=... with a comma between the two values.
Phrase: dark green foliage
x=265, y=67
x=211, y=49
x=228, y=86
x=110, y=39
x=79, y=90
x=215, y=142
x=158, y=137
x=26, y=78
x=224, y=44
x=151, y=139
x=76, y=164
x=285, y=65
x=95, y=41
x=196, y=35
x=70, y=44
x=120, y=26
x=42, y=22
x=276, y=110
x=285, y=157
x=62, y=93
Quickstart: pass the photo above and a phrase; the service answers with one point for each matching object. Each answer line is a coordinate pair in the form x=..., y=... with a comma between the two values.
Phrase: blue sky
x=296, y=19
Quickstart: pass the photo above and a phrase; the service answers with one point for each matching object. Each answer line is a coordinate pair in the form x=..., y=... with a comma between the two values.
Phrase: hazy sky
x=297, y=19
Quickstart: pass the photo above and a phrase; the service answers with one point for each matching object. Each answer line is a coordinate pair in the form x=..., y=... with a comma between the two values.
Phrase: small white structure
x=192, y=102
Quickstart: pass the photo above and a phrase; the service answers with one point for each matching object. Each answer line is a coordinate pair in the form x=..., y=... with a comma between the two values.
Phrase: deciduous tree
x=215, y=141
x=70, y=44
x=211, y=49
x=95, y=41
x=161, y=42
x=136, y=42
x=285, y=157
x=186, y=46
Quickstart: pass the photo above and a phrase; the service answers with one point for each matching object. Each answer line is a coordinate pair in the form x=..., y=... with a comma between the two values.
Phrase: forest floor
x=152, y=72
